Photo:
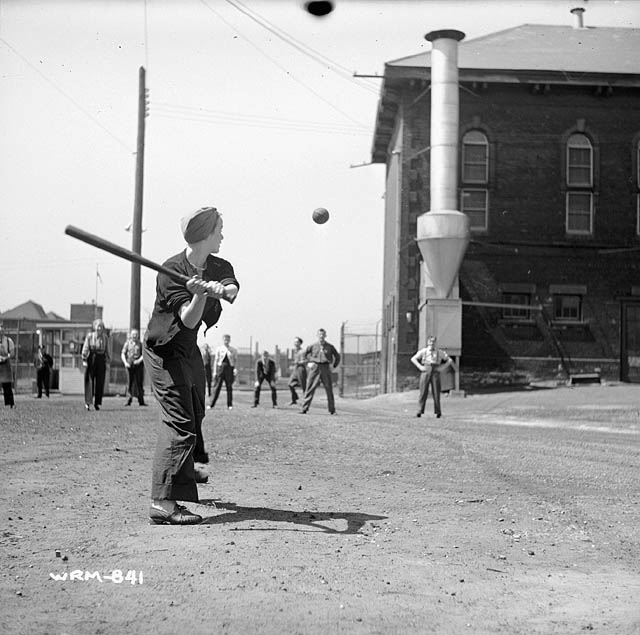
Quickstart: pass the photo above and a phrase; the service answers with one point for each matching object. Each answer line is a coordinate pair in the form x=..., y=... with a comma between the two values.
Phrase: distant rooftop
x=540, y=47
x=526, y=54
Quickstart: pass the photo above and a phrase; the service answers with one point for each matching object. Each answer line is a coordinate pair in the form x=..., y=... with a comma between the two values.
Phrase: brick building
x=549, y=156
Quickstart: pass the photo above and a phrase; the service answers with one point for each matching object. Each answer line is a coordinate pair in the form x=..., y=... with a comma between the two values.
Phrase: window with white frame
x=475, y=157
x=475, y=203
x=579, y=218
x=517, y=312
x=567, y=307
x=579, y=161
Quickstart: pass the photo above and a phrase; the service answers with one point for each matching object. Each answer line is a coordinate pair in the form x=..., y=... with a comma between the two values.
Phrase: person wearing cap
x=174, y=363
x=429, y=361
x=7, y=351
x=321, y=357
x=265, y=370
x=95, y=357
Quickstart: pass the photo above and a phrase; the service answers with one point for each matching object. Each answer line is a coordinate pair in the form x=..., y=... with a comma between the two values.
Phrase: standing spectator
x=95, y=357
x=428, y=361
x=265, y=370
x=43, y=363
x=224, y=367
x=205, y=351
x=131, y=356
x=174, y=362
x=298, y=377
x=7, y=351
x=321, y=357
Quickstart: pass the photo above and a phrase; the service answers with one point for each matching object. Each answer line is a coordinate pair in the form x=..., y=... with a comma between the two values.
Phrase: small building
x=549, y=176
x=30, y=326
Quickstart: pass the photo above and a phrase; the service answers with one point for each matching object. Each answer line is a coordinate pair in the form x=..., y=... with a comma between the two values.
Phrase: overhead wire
x=303, y=48
x=83, y=110
x=176, y=111
x=282, y=68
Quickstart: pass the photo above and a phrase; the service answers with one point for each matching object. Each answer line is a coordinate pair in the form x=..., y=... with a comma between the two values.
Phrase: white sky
x=227, y=98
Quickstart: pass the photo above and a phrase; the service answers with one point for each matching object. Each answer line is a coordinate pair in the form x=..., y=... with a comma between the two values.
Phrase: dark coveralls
x=268, y=374
x=43, y=363
x=7, y=349
x=325, y=356
x=176, y=370
x=132, y=351
x=95, y=351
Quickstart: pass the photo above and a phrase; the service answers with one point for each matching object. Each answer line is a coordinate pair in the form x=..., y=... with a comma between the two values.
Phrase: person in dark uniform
x=321, y=358
x=224, y=368
x=7, y=351
x=265, y=370
x=298, y=378
x=95, y=357
x=132, y=359
x=429, y=362
x=205, y=351
x=43, y=363
x=174, y=362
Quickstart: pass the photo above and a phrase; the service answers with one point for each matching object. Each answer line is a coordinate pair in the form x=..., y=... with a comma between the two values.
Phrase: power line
x=282, y=68
x=217, y=116
x=305, y=49
x=69, y=98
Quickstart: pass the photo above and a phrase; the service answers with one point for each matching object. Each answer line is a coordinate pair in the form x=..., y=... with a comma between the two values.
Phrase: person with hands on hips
x=174, y=363
x=429, y=361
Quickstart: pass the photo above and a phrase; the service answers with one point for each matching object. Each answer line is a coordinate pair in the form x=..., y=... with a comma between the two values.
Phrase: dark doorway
x=630, y=342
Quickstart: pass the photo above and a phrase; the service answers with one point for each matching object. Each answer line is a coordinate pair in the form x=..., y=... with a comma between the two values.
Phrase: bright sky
x=239, y=119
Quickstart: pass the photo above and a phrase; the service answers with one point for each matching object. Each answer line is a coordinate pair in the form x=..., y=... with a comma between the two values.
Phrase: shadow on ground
x=237, y=514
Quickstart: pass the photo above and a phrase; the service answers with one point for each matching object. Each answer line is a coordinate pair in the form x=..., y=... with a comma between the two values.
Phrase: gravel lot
x=516, y=512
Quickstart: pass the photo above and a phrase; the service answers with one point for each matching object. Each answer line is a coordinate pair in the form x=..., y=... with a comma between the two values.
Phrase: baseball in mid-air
x=320, y=215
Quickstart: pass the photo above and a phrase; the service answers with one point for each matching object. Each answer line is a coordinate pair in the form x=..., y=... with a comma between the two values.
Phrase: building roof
x=526, y=54
x=32, y=311
x=28, y=310
x=537, y=47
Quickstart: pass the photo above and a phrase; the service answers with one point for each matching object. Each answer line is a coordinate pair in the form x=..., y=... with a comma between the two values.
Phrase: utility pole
x=136, y=227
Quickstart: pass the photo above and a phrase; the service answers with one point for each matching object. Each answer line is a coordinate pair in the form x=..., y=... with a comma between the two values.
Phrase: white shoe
x=229, y=407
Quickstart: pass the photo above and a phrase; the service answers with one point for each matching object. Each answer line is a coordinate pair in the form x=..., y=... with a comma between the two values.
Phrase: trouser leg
x=435, y=387
x=313, y=381
x=327, y=380
x=217, y=385
x=173, y=475
x=99, y=377
x=256, y=393
x=7, y=392
x=424, y=391
x=274, y=395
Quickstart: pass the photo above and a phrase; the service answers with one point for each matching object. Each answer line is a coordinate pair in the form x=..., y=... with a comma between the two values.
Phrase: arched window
x=579, y=161
x=579, y=201
x=475, y=157
x=474, y=194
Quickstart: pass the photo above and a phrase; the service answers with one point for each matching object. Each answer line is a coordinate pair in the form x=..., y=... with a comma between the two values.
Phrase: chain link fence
x=359, y=371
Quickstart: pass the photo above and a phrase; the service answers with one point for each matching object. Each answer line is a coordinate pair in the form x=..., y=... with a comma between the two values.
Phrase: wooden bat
x=122, y=252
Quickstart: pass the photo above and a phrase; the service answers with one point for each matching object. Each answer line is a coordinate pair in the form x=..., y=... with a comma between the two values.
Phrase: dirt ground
x=516, y=512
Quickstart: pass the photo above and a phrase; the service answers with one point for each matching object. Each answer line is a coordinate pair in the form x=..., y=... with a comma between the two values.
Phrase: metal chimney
x=578, y=12
x=443, y=232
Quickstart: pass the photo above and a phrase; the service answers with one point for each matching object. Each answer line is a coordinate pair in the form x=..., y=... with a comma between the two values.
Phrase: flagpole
x=95, y=308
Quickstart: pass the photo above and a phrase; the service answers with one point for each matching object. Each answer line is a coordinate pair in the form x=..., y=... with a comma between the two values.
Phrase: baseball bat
x=122, y=252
